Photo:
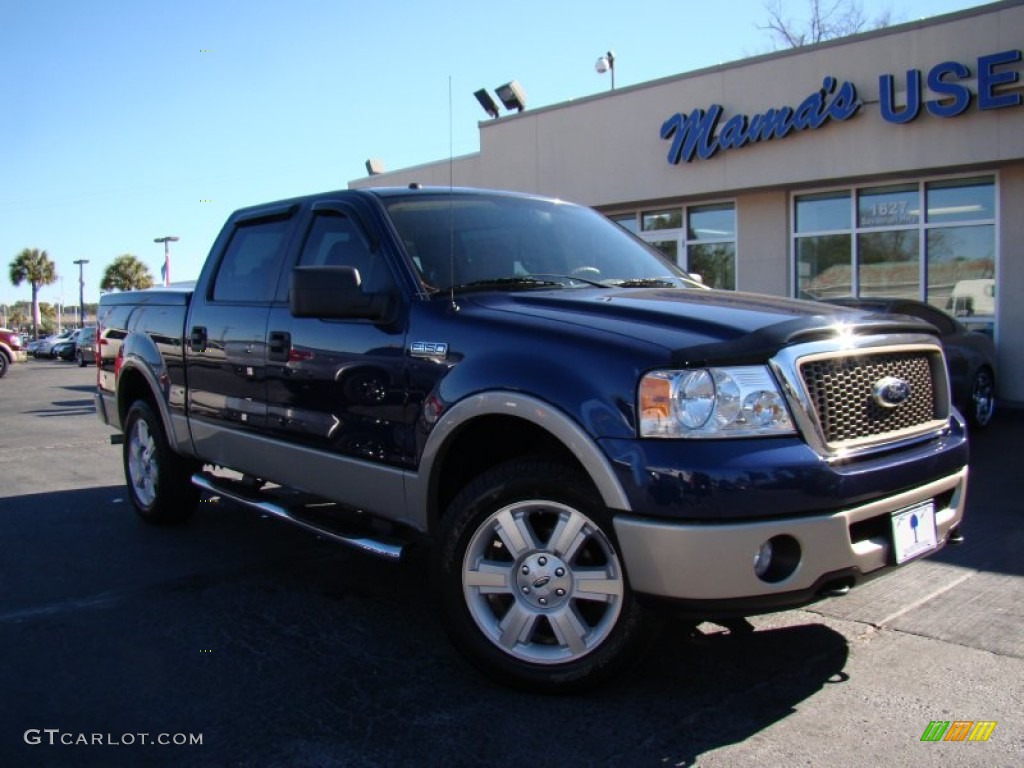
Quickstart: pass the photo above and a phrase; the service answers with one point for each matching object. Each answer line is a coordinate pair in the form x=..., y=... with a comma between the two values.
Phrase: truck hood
x=699, y=326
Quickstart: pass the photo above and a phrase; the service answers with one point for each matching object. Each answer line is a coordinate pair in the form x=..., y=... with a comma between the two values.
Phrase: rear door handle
x=279, y=347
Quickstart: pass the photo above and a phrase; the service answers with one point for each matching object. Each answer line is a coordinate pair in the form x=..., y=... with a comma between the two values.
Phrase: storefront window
x=716, y=264
x=711, y=222
x=627, y=221
x=823, y=212
x=705, y=247
x=823, y=267
x=889, y=264
x=961, y=273
x=711, y=244
x=961, y=200
x=888, y=206
x=668, y=248
x=669, y=219
x=884, y=246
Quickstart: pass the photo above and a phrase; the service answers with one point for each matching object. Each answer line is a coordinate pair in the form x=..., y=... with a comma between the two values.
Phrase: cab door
x=338, y=385
x=226, y=333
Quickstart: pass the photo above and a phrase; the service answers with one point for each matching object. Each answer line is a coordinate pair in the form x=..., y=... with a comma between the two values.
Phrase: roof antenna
x=451, y=202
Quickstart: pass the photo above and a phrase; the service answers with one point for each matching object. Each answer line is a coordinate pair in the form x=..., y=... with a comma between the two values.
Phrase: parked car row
x=78, y=345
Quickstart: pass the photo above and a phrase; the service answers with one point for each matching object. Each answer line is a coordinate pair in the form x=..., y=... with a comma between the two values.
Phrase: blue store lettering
x=946, y=81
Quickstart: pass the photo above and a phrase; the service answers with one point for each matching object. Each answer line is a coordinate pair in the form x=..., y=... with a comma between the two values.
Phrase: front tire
x=4, y=365
x=80, y=358
x=532, y=587
x=159, y=480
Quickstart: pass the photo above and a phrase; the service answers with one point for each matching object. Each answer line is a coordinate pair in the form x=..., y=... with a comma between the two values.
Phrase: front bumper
x=711, y=565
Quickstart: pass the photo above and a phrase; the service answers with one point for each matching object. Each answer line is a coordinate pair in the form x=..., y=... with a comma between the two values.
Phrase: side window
x=334, y=241
x=251, y=265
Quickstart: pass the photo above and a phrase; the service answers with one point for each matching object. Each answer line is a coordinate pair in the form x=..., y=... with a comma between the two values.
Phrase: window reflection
x=824, y=267
x=888, y=264
x=946, y=256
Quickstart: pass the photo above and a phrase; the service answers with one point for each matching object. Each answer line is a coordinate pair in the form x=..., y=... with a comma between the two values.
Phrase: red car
x=12, y=350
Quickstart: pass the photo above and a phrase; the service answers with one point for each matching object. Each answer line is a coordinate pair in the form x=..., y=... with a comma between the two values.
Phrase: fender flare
x=596, y=464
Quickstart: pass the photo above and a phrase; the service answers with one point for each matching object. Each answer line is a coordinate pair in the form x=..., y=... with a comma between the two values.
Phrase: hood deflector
x=758, y=347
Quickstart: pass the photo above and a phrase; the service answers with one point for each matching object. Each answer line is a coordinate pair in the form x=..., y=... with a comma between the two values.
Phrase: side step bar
x=391, y=550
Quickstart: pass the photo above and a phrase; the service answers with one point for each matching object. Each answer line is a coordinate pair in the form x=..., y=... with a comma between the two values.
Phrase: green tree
x=34, y=267
x=126, y=273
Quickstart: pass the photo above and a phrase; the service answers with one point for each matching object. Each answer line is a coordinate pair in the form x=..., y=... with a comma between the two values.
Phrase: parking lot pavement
x=280, y=649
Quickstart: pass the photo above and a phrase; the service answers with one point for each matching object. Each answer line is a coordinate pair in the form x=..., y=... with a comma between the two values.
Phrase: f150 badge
x=431, y=350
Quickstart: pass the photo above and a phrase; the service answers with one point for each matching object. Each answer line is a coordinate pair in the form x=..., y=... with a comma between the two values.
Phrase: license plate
x=913, y=531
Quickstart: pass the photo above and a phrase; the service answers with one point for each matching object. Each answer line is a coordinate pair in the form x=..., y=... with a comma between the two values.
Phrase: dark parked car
x=85, y=346
x=77, y=347
x=970, y=355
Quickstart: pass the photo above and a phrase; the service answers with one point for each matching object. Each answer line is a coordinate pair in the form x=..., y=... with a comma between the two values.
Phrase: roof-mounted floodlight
x=512, y=96
x=486, y=102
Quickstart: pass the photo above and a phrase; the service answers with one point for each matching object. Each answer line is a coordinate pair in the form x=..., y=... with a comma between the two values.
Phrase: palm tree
x=126, y=273
x=33, y=266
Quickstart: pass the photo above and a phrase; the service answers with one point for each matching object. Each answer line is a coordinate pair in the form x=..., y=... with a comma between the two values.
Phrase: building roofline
x=895, y=29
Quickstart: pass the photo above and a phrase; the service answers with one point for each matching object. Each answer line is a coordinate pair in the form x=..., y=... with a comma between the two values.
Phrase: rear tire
x=4, y=365
x=531, y=583
x=81, y=359
x=159, y=480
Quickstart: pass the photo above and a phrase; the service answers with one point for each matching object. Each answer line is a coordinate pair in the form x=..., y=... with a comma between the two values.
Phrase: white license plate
x=913, y=531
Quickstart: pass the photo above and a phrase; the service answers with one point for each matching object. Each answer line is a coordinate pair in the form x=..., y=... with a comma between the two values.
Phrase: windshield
x=500, y=242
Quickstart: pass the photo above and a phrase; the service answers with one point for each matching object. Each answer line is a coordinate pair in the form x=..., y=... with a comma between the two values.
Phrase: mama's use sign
x=698, y=134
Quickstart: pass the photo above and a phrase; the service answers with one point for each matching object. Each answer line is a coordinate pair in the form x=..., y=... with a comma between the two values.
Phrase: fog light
x=763, y=559
x=777, y=559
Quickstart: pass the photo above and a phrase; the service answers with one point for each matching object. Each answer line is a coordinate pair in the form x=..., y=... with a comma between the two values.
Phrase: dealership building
x=889, y=163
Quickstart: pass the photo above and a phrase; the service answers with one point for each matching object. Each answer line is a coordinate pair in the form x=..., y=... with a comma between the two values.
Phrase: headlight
x=712, y=402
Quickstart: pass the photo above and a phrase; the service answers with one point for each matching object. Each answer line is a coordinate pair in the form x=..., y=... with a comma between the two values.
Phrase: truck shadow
x=308, y=648
x=993, y=526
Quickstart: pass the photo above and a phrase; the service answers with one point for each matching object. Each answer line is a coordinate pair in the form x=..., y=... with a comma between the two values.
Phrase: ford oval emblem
x=890, y=392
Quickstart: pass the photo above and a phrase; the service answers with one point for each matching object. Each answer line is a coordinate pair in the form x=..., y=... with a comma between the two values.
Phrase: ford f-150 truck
x=582, y=434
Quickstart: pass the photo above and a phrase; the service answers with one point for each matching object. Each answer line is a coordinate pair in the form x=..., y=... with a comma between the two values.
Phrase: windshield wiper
x=648, y=282
x=574, y=279
x=506, y=283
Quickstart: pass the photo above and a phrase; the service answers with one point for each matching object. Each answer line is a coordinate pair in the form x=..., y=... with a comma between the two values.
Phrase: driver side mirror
x=334, y=293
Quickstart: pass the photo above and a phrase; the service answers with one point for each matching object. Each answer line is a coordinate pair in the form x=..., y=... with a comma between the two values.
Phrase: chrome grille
x=841, y=393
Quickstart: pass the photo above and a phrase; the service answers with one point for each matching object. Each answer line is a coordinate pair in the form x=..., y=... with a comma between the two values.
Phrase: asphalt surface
x=276, y=648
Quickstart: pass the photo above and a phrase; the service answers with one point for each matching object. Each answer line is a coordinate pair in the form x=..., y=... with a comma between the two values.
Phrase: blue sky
x=125, y=121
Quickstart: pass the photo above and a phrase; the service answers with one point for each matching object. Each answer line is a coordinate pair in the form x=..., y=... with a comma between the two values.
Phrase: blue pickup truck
x=583, y=436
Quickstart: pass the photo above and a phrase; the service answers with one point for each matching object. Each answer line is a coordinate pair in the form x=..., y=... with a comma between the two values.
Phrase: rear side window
x=252, y=263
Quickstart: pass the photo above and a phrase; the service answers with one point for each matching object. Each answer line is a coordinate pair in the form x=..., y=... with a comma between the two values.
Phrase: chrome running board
x=229, y=489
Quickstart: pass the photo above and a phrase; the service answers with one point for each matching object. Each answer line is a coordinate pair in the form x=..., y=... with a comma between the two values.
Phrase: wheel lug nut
x=560, y=592
x=559, y=572
x=543, y=601
x=526, y=569
x=526, y=590
x=542, y=560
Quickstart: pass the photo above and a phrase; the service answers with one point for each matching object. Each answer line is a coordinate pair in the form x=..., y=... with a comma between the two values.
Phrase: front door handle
x=197, y=339
x=279, y=347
